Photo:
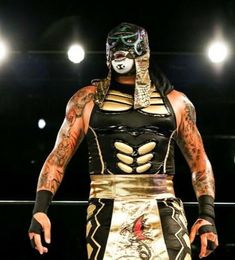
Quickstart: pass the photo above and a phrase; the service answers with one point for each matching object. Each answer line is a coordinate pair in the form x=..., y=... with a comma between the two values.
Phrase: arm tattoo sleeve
x=191, y=145
x=69, y=138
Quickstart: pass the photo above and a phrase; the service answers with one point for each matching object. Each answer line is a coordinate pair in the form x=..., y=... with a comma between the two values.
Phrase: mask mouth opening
x=119, y=55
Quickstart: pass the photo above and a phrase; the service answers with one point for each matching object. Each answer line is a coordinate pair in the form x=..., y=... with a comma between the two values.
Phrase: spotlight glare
x=3, y=51
x=41, y=123
x=76, y=53
x=218, y=52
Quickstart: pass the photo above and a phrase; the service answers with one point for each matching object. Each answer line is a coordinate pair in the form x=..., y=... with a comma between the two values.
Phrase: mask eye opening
x=130, y=39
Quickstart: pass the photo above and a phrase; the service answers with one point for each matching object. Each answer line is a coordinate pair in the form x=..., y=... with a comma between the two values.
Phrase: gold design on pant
x=135, y=231
x=90, y=210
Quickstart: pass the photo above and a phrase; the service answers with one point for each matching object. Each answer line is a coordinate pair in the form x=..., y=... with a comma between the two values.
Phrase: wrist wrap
x=42, y=201
x=207, y=212
x=206, y=208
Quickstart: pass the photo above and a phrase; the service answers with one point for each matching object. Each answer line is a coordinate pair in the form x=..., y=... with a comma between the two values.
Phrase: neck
x=128, y=80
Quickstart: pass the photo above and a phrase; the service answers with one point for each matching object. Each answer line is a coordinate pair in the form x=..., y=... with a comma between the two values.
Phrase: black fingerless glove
x=35, y=226
x=42, y=202
x=207, y=212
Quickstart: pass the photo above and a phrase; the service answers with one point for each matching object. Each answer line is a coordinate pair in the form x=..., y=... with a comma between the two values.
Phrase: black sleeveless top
x=122, y=140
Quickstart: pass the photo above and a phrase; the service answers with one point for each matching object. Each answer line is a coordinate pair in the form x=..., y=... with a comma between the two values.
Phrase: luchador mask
x=127, y=38
x=127, y=50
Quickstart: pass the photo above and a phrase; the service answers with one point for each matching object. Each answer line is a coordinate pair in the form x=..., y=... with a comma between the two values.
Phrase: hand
x=209, y=240
x=40, y=223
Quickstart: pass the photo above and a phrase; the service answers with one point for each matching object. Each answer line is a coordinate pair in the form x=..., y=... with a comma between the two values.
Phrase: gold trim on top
x=99, y=150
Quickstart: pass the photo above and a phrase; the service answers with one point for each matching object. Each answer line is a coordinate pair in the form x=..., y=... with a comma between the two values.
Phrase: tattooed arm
x=70, y=135
x=190, y=142
x=191, y=145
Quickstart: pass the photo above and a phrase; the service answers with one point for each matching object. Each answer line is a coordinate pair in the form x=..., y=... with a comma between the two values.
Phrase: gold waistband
x=131, y=186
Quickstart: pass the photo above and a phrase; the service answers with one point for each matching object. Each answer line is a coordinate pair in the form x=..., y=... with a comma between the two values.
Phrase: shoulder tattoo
x=77, y=104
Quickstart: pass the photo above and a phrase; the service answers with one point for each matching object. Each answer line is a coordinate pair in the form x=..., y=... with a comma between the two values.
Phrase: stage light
x=3, y=51
x=76, y=53
x=218, y=51
x=41, y=123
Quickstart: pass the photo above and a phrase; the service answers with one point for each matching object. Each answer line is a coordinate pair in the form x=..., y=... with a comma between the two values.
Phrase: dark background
x=37, y=80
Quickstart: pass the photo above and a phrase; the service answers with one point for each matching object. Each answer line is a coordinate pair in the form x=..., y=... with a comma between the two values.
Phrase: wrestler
x=132, y=120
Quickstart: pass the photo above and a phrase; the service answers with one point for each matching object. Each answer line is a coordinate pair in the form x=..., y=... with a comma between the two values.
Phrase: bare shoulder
x=179, y=100
x=83, y=96
x=84, y=92
x=182, y=106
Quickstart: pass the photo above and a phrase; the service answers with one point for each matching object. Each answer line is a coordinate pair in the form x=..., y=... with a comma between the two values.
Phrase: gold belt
x=131, y=186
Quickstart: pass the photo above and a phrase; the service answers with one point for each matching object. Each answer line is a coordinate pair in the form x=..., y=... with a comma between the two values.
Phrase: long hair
x=159, y=78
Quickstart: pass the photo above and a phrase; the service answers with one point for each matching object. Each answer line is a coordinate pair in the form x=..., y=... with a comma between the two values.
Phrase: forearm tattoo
x=203, y=182
x=69, y=138
x=192, y=147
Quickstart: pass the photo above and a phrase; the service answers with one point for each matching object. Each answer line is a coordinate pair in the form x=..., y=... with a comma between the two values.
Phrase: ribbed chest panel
x=122, y=140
